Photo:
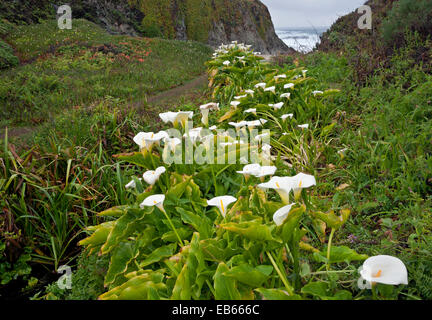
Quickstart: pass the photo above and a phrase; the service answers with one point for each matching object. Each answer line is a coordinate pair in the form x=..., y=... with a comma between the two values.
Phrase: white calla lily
x=286, y=95
x=226, y=63
x=132, y=184
x=261, y=85
x=384, y=269
x=317, y=92
x=277, y=106
x=304, y=126
x=281, y=76
x=265, y=171
x=176, y=117
x=222, y=203
x=251, y=110
x=238, y=125
x=251, y=92
x=289, y=86
x=154, y=200
x=286, y=116
x=235, y=104
x=240, y=97
x=302, y=181
x=282, y=185
x=250, y=169
x=270, y=89
x=152, y=176
x=259, y=137
x=205, y=110
x=280, y=215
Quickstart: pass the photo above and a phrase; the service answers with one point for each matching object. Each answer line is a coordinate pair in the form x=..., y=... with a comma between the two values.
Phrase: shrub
x=411, y=15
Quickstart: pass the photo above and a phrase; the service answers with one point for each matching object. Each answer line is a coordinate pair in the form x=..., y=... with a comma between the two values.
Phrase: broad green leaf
x=251, y=230
x=276, y=294
x=201, y=224
x=99, y=235
x=339, y=254
x=122, y=255
x=321, y=290
x=225, y=287
x=113, y=212
x=331, y=219
x=249, y=275
x=159, y=254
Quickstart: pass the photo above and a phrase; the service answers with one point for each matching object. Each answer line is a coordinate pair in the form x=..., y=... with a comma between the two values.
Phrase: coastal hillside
x=210, y=21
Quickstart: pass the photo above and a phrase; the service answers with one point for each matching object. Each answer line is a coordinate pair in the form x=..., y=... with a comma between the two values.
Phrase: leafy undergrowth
x=63, y=69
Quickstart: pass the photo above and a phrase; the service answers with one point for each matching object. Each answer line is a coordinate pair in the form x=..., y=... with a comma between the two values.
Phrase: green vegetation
x=407, y=15
x=77, y=67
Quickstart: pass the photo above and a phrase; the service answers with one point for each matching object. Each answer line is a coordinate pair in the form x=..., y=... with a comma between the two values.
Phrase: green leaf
x=159, y=254
x=122, y=255
x=321, y=290
x=225, y=287
x=201, y=224
x=249, y=275
x=251, y=230
x=276, y=294
x=339, y=254
x=99, y=235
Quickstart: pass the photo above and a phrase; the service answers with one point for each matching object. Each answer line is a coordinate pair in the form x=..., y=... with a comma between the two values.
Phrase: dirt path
x=176, y=92
x=171, y=94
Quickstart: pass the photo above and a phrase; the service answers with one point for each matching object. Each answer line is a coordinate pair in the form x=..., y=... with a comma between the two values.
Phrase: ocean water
x=301, y=39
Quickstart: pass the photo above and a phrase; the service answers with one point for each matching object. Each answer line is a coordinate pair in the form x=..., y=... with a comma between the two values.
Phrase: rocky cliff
x=209, y=21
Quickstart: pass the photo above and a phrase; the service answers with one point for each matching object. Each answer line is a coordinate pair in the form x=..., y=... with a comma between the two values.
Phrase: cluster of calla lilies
x=259, y=178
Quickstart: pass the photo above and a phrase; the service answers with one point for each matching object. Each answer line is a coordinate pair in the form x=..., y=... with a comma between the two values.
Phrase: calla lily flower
x=317, y=92
x=213, y=128
x=270, y=89
x=289, y=86
x=146, y=140
x=304, y=126
x=253, y=124
x=263, y=121
x=173, y=143
x=304, y=73
x=250, y=169
x=300, y=182
x=384, y=269
x=277, y=106
x=261, y=85
x=281, y=76
x=251, y=92
x=235, y=104
x=252, y=110
x=286, y=95
x=132, y=184
x=286, y=116
x=261, y=136
x=205, y=109
x=222, y=203
x=151, y=177
x=226, y=63
x=154, y=200
x=280, y=215
x=176, y=117
x=265, y=171
x=194, y=134
x=282, y=185
x=240, y=97
x=238, y=125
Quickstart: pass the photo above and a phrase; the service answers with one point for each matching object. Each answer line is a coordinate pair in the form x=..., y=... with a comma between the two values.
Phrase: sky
x=309, y=13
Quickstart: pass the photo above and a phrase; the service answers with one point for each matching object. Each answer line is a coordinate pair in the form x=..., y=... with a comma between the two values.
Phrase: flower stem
x=329, y=247
x=172, y=226
x=281, y=276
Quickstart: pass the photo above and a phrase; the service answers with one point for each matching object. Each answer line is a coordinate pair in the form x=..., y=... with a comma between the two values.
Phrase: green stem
x=211, y=288
x=172, y=226
x=329, y=248
x=281, y=276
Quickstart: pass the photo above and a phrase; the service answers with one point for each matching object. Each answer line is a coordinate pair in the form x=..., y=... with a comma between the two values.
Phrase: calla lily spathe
x=265, y=171
x=261, y=85
x=286, y=95
x=235, y=104
x=222, y=203
x=270, y=89
x=132, y=184
x=282, y=185
x=277, y=106
x=304, y=126
x=286, y=116
x=251, y=110
x=176, y=117
x=146, y=140
x=289, y=86
x=384, y=269
x=154, y=200
x=205, y=109
x=280, y=216
x=250, y=169
x=152, y=176
x=302, y=181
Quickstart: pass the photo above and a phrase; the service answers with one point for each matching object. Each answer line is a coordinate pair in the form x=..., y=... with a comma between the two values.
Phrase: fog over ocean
x=301, y=39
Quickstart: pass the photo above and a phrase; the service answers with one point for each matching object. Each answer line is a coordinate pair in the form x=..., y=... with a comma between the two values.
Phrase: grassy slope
x=69, y=68
x=388, y=165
